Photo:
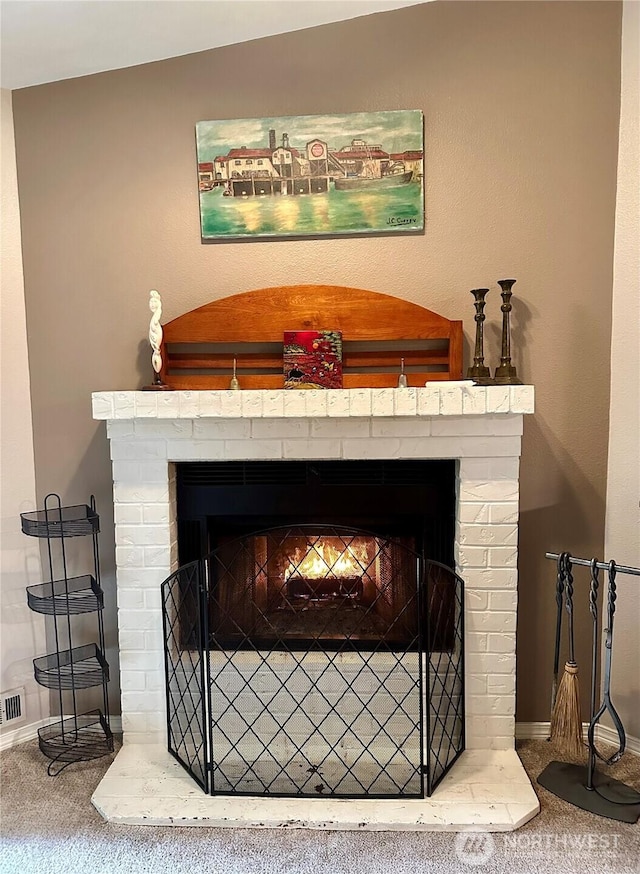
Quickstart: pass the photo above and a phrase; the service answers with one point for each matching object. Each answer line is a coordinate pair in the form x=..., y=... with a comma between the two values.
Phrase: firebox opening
x=309, y=554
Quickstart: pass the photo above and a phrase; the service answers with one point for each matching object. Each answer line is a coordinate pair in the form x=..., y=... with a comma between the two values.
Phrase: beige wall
x=22, y=635
x=622, y=533
x=521, y=146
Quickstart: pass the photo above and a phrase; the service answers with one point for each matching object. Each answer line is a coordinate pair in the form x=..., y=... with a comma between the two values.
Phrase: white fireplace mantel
x=435, y=399
x=478, y=426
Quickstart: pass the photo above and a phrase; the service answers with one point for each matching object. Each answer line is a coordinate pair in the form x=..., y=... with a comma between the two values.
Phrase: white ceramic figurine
x=155, y=330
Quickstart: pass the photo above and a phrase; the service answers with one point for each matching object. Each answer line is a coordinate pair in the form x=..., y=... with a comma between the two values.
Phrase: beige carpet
x=48, y=826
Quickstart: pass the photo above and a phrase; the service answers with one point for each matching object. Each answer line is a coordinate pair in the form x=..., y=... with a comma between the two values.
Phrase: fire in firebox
x=297, y=584
x=327, y=571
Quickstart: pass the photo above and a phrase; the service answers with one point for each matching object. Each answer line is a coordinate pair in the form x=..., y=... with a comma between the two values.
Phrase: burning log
x=328, y=588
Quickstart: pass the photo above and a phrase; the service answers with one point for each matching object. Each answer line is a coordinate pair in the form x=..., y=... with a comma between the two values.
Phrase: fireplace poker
x=593, y=607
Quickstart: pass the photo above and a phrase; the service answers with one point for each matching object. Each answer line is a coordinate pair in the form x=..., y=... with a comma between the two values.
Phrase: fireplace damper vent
x=374, y=472
x=251, y=711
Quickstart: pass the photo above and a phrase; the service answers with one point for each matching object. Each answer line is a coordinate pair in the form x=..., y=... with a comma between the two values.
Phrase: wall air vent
x=12, y=708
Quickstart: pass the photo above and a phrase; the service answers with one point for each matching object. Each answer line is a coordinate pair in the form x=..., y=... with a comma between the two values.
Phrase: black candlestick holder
x=479, y=372
x=506, y=372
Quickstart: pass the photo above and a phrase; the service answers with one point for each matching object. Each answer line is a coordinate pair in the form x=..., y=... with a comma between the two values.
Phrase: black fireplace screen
x=315, y=661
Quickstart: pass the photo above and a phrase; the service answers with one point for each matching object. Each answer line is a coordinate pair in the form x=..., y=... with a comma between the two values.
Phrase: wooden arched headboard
x=377, y=331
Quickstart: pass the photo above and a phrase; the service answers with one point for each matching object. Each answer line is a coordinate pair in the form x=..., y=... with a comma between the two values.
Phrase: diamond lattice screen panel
x=315, y=662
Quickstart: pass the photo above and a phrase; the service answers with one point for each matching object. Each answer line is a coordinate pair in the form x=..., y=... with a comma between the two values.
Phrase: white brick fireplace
x=480, y=427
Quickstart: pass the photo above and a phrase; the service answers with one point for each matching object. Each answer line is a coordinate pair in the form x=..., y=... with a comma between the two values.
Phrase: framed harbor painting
x=311, y=175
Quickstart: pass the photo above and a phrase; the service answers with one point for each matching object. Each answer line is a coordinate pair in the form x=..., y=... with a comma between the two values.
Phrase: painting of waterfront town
x=311, y=175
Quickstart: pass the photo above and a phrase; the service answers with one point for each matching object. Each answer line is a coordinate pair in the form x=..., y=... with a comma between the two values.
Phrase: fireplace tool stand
x=588, y=788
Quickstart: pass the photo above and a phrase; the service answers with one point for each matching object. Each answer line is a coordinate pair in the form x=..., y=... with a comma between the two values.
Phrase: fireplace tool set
x=584, y=787
x=505, y=373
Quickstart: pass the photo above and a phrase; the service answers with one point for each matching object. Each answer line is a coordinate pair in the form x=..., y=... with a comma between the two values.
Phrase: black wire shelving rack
x=75, y=736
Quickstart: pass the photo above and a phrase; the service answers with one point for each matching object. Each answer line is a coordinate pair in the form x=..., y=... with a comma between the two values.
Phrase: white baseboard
x=532, y=730
x=609, y=735
x=524, y=731
x=13, y=737
x=540, y=731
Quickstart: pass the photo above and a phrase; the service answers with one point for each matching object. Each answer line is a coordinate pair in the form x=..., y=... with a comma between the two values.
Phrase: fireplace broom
x=559, y=609
x=566, y=720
